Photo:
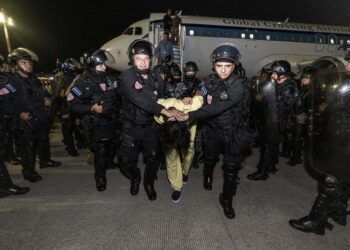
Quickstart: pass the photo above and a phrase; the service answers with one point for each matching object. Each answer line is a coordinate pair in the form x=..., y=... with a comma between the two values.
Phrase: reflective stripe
x=10, y=88
x=76, y=91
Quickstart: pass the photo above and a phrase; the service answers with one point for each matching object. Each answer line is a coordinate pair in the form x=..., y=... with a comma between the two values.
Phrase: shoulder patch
x=224, y=96
x=204, y=90
x=10, y=87
x=77, y=91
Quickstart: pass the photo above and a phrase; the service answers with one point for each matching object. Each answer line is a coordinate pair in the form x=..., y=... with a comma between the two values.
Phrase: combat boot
x=151, y=169
x=129, y=170
x=208, y=170
x=317, y=220
x=7, y=187
x=101, y=182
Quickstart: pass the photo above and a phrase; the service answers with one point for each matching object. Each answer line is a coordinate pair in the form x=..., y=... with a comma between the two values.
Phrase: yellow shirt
x=197, y=102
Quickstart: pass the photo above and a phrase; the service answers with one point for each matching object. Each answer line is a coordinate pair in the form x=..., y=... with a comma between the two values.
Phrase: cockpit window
x=138, y=31
x=128, y=31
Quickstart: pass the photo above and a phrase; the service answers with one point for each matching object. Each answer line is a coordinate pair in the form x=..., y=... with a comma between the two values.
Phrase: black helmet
x=190, y=66
x=97, y=58
x=140, y=46
x=70, y=65
x=160, y=69
x=281, y=67
x=21, y=54
x=175, y=75
x=226, y=52
x=308, y=72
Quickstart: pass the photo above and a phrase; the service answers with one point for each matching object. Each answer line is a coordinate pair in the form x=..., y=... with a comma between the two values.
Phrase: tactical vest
x=220, y=91
x=133, y=113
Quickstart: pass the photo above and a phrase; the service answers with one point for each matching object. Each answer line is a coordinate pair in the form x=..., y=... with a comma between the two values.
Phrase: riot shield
x=268, y=107
x=328, y=141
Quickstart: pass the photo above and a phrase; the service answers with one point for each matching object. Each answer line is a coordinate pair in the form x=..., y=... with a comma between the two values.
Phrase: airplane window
x=191, y=32
x=341, y=42
x=268, y=37
x=332, y=41
x=347, y=41
x=242, y=35
x=251, y=36
x=138, y=31
x=129, y=31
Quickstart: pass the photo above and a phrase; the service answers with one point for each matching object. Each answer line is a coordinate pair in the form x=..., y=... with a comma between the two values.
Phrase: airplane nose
x=121, y=59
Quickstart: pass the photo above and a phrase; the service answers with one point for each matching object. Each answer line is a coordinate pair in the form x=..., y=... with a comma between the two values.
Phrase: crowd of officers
x=159, y=112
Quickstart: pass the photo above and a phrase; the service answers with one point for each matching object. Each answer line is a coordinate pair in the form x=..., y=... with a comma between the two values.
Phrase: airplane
x=259, y=42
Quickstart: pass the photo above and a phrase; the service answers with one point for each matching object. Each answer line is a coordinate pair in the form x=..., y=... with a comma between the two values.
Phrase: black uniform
x=139, y=131
x=327, y=151
x=101, y=128
x=276, y=106
x=6, y=185
x=68, y=118
x=33, y=134
x=222, y=116
x=301, y=113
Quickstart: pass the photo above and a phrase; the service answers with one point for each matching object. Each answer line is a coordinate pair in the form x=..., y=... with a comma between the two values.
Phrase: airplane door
x=332, y=43
x=320, y=42
x=157, y=34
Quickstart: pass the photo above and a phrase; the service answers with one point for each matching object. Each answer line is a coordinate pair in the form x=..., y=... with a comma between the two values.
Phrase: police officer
x=63, y=78
x=11, y=154
x=175, y=87
x=6, y=185
x=95, y=95
x=326, y=150
x=224, y=92
x=193, y=85
x=301, y=110
x=169, y=64
x=140, y=88
x=33, y=129
x=278, y=97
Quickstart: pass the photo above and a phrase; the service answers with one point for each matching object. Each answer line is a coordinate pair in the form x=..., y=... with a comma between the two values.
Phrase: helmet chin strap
x=23, y=71
x=142, y=72
x=100, y=73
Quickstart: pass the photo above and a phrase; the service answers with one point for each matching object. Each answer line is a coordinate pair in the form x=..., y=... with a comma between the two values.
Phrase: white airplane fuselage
x=259, y=42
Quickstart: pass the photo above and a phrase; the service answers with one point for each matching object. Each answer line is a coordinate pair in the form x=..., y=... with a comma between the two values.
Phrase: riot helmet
x=175, y=75
x=161, y=69
x=308, y=72
x=281, y=67
x=190, y=66
x=167, y=59
x=97, y=58
x=190, y=69
x=70, y=66
x=21, y=54
x=226, y=52
x=140, y=46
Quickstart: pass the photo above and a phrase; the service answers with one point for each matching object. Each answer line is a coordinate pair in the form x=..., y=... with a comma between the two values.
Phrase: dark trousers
x=133, y=141
x=104, y=152
x=215, y=144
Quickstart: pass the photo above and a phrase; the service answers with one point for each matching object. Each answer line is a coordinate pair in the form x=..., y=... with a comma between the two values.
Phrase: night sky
x=61, y=28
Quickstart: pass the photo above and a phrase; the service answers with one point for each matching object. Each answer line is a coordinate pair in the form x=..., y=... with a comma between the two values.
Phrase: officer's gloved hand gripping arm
x=235, y=92
x=146, y=101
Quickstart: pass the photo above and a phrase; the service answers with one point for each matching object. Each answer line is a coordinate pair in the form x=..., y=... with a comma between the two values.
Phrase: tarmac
x=65, y=211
